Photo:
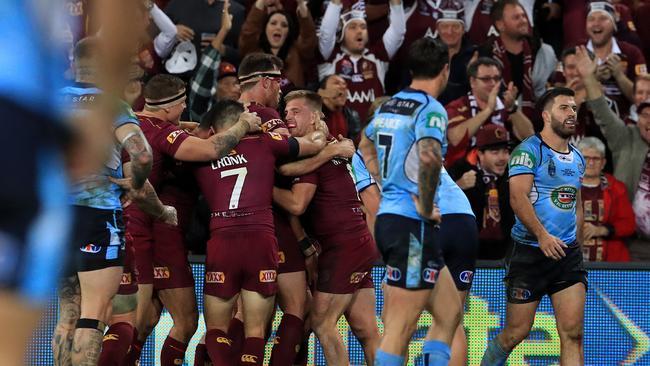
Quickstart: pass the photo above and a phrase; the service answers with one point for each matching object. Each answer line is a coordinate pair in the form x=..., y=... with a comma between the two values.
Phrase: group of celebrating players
x=287, y=218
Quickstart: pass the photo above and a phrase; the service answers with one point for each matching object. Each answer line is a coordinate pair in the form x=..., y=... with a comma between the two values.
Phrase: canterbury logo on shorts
x=126, y=279
x=215, y=277
x=248, y=358
x=268, y=275
x=224, y=340
x=160, y=272
x=357, y=277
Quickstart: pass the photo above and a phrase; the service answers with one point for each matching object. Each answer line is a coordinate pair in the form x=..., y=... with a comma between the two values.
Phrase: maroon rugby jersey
x=239, y=187
x=335, y=208
x=165, y=138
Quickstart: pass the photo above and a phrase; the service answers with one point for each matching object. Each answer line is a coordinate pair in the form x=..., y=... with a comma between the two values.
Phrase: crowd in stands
x=503, y=55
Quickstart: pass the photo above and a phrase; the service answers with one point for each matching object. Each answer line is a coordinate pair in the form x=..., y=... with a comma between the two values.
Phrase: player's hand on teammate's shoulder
x=252, y=119
x=552, y=246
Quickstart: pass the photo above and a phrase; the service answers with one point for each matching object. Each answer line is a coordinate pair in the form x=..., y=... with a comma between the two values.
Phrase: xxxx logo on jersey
x=564, y=197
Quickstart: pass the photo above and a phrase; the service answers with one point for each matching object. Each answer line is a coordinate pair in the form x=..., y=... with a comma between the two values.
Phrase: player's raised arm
x=136, y=145
x=430, y=153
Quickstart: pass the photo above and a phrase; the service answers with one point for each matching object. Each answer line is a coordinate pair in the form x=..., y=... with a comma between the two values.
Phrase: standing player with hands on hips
x=545, y=178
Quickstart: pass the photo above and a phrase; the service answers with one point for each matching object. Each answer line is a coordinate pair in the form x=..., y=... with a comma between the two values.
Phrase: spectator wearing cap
x=482, y=107
x=630, y=149
x=340, y=119
x=608, y=215
x=641, y=94
x=214, y=79
x=483, y=176
x=363, y=66
x=619, y=62
x=202, y=20
x=276, y=33
x=450, y=28
x=527, y=62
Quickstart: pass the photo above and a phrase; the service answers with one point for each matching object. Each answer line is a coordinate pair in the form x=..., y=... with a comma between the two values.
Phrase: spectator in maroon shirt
x=340, y=119
x=609, y=218
x=618, y=62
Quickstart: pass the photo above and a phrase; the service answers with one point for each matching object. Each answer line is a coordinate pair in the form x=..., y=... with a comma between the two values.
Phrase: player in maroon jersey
x=161, y=256
x=328, y=200
x=259, y=75
x=242, y=254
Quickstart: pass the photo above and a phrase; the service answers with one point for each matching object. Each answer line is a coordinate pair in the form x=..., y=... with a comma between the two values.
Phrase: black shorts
x=530, y=274
x=459, y=244
x=411, y=251
x=98, y=239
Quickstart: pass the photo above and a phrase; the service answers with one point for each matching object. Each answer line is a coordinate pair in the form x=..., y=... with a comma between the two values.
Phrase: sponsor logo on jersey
x=246, y=358
x=356, y=277
x=520, y=293
x=230, y=160
x=171, y=138
x=160, y=273
x=430, y=275
x=437, y=120
x=281, y=257
x=404, y=107
x=275, y=136
x=564, y=197
x=126, y=279
x=466, y=276
x=91, y=248
x=224, y=340
x=565, y=158
x=268, y=276
x=393, y=274
x=215, y=277
x=361, y=97
x=522, y=158
x=346, y=67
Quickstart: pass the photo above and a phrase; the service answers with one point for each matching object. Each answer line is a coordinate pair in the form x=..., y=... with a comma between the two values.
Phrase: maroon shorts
x=290, y=256
x=238, y=260
x=161, y=257
x=129, y=282
x=345, y=264
x=171, y=269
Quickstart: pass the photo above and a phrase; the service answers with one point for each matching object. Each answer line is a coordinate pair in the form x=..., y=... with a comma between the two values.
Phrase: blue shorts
x=459, y=243
x=34, y=213
x=410, y=249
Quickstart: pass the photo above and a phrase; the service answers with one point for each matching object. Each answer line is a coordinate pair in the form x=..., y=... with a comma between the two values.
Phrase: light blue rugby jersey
x=557, y=181
x=400, y=123
x=96, y=190
x=362, y=178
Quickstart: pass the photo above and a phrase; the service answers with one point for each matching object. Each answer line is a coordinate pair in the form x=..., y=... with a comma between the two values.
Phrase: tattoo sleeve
x=430, y=154
x=149, y=202
x=141, y=159
x=225, y=141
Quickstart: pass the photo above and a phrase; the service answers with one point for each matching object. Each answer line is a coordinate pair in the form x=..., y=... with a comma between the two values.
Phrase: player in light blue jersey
x=545, y=177
x=98, y=241
x=403, y=148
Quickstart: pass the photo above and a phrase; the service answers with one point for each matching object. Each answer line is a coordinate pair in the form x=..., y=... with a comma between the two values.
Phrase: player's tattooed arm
x=136, y=145
x=146, y=198
x=430, y=154
x=369, y=153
